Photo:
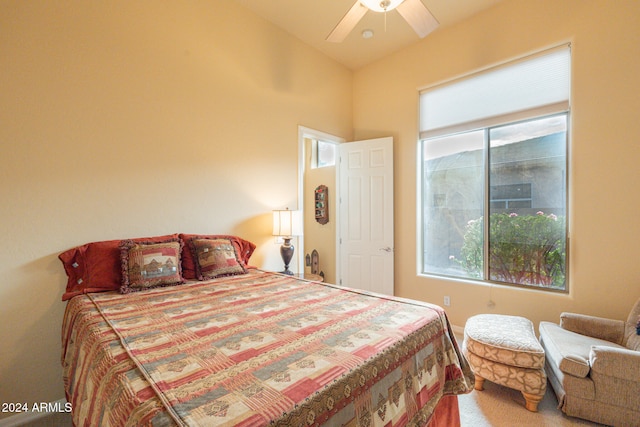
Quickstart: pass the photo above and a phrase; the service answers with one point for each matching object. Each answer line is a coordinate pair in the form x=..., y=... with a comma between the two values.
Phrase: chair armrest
x=597, y=327
x=615, y=362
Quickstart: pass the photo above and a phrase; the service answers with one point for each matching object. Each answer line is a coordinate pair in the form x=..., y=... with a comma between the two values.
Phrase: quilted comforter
x=259, y=349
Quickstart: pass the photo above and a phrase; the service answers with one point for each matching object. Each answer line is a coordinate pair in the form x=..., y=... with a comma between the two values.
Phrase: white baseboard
x=458, y=330
x=24, y=418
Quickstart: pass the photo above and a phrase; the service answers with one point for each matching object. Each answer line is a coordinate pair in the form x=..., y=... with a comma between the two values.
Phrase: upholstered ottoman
x=504, y=350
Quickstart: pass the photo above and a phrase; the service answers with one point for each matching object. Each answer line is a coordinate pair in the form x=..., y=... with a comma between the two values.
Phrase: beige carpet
x=500, y=406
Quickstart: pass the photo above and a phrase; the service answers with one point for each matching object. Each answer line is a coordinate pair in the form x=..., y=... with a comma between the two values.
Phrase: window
x=494, y=174
x=324, y=154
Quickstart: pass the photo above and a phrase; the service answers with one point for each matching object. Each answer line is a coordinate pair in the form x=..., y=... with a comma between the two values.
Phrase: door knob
x=387, y=249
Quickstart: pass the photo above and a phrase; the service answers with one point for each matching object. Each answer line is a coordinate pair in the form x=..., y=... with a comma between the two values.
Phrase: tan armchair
x=593, y=365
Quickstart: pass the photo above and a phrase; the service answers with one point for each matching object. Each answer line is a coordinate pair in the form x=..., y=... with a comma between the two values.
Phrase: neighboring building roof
x=540, y=148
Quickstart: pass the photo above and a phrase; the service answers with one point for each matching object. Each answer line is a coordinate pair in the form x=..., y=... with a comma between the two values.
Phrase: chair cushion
x=569, y=350
x=610, y=330
x=509, y=340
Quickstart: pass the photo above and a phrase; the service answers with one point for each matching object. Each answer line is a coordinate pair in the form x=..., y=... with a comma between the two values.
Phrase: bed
x=254, y=348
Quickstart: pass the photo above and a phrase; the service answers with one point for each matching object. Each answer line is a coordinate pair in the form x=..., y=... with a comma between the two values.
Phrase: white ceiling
x=312, y=20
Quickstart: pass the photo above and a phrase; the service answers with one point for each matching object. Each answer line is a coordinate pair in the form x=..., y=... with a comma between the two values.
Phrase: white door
x=366, y=215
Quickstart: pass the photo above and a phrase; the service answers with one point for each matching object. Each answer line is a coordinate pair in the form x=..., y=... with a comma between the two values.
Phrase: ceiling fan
x=413, y=11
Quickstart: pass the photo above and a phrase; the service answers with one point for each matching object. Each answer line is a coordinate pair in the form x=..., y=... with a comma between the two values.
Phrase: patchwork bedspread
x=257, y=349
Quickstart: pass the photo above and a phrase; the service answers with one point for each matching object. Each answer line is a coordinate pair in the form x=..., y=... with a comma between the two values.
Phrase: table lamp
x=287, y=224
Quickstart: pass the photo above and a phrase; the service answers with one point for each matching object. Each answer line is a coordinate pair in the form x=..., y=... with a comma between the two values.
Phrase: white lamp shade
x=287, y=223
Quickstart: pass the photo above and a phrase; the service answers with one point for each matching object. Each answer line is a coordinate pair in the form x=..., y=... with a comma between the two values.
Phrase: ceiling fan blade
x=347, y=23
x=418, y=16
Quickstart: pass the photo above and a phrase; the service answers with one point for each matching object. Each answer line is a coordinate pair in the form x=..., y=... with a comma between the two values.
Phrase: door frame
x=305, y=132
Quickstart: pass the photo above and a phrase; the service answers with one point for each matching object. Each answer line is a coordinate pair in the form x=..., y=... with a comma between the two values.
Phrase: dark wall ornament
x=321, y=199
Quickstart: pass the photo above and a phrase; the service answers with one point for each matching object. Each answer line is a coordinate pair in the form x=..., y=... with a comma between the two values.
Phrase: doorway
x=365, y=261
x=317, y=236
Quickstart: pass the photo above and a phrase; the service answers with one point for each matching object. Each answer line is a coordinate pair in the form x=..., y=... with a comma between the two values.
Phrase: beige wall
x=605, y=151
x=123, y=119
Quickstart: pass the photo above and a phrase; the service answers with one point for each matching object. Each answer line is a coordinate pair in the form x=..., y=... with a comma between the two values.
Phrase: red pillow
x=244, y=248
x=96, y=266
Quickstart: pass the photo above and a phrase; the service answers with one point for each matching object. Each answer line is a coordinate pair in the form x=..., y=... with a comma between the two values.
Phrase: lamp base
x=286, y=251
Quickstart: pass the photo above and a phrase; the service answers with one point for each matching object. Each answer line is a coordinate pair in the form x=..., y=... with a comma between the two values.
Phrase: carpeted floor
x=501, y=406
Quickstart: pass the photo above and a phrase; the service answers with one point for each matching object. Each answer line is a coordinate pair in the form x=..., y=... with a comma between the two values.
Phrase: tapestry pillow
x=96, y=266
x=150, y=265
x=216, y=258
x=244, y=249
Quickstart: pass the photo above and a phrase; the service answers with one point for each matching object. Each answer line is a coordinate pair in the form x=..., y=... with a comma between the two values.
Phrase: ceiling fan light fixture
x=367, y=34
x=413, y=11
x=381, y=5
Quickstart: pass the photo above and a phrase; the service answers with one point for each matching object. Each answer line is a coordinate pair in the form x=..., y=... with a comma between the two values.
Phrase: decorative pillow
x=216, y=258
x=638, y=326
x=244, y=249
x=96, y=266
x=150, y=265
